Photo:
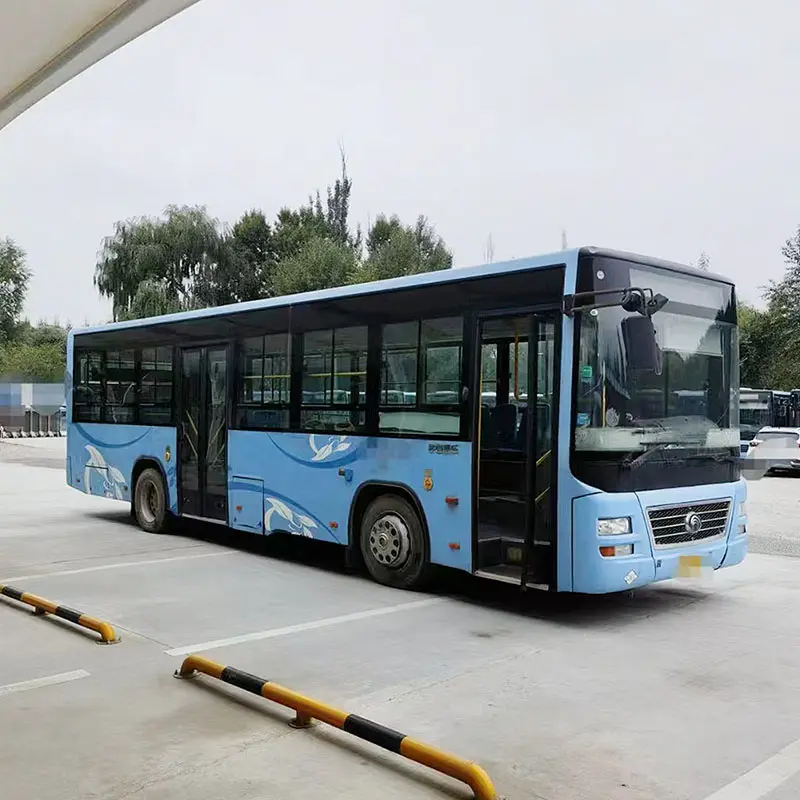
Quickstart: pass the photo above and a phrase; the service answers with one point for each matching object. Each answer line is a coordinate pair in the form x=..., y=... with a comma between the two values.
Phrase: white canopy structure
x=45, y=43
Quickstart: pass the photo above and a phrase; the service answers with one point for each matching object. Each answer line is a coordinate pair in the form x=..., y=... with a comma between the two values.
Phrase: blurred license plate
x=690, y=566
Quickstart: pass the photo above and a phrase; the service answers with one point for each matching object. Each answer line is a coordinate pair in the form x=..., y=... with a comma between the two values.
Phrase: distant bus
x=396, y=419
x=794, y=407
x=761, y=408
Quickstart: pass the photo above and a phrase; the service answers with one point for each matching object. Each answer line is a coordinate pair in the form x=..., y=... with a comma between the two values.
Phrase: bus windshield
x=686, y=407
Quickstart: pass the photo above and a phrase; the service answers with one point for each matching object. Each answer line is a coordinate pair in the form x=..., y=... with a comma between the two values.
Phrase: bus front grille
x=684, y=524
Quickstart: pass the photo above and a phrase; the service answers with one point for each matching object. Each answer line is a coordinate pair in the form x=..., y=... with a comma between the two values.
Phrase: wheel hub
x=390, y=541
x=148, y=502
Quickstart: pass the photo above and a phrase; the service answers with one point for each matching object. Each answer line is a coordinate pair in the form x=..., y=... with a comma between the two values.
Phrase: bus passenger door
x=203, y=432
x=514, y=460
x=540, y=543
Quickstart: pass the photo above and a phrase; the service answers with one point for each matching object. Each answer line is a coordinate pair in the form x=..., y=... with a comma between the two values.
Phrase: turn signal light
x=616, y=550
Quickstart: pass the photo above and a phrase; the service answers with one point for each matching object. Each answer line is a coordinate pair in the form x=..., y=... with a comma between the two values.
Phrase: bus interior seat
x=505, y=424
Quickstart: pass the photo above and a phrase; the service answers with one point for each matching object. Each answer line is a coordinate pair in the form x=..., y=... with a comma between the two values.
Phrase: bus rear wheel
x=394, y=544
x=150, y=502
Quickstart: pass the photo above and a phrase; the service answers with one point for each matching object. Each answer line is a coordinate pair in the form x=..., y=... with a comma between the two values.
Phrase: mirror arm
x=569, y=304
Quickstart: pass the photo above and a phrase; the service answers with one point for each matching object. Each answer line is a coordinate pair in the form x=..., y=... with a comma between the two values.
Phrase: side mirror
x=641, y=349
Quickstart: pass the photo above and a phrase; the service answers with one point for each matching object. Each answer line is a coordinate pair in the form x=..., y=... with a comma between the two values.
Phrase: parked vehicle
x=779, y=447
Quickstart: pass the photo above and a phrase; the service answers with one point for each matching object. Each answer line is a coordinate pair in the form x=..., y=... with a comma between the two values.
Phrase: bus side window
x=334, y=380
x=155, y=389
x=121, y=395
x=88, y=381
x=263, y=394
x=420, y=381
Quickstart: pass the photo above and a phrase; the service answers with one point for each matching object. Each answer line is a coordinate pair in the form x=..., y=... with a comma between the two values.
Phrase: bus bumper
x=604, y=564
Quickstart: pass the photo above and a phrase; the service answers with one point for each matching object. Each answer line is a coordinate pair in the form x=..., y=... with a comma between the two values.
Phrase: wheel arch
x=149, y=462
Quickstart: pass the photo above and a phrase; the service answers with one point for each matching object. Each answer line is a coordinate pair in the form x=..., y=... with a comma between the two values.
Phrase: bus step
x=500, y=550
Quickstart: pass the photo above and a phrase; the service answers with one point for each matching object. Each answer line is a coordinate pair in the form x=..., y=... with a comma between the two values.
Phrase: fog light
x=614, y=526
x=741, y=530
x=616, y=550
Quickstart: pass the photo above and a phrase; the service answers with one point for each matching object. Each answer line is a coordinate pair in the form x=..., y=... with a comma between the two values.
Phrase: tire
x=394, y=544
x=150, y=502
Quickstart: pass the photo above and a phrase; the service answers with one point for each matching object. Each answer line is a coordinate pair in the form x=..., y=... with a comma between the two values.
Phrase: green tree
x=337, y=216
x=14, y=277
x=381, y=232
x=186, y=259
x=294, y=229
x=783, y=306
x=252, y=258
x=43, y=362
x=36, y=353
x=394, y=249
x=153, y=297
x=320, y=264
x=46, y=333
x=756, y=344
x=174, y=258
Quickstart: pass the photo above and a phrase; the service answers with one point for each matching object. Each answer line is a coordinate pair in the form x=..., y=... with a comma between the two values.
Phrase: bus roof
x=559, y=258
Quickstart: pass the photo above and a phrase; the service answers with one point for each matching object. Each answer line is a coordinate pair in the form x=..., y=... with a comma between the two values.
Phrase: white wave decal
x=113, y=480
x=296, y=523
x=334, y=445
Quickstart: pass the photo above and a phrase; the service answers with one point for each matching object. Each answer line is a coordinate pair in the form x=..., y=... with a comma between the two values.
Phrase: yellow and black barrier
x=307, y=709
x=42, y=606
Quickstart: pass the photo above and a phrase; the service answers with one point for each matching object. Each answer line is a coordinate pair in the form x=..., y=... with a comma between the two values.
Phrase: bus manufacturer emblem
x=693, y=523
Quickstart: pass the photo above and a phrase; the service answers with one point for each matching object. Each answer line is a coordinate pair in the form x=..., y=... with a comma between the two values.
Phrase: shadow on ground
x=563, y=609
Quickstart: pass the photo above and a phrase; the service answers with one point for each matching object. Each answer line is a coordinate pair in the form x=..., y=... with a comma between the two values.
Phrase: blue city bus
x=395, y=418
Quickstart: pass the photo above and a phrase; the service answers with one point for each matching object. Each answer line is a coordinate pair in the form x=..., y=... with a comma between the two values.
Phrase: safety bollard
x=42, y=606
x=308, y=709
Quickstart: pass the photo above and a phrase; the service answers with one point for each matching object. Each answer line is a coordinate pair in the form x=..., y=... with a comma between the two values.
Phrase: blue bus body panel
x=306, y=485
x=101, y=458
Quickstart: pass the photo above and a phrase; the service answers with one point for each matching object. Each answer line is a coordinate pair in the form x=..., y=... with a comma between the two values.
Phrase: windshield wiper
x=720, y=458
x=634, y=463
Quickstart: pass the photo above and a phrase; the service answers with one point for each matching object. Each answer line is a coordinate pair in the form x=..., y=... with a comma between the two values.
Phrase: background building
x=31, y=407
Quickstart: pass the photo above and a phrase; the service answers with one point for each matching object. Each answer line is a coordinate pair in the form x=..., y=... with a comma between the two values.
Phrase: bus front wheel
x=150, y=502
x=394, y=544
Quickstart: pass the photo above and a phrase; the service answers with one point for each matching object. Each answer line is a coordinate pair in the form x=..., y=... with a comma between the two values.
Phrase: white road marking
x=303, y=626
x=764, y=778
x=37, y=683
x=119, y=565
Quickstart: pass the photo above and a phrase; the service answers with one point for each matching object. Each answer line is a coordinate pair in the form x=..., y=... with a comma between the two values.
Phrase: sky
x=662, y=128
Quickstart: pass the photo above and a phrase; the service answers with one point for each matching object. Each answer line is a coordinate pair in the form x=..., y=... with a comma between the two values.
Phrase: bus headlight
x=614, y=526
x=743, y=508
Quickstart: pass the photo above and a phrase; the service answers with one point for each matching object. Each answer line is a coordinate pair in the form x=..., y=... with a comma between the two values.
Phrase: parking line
x=118, y=565
x=37, y=683
x=764, y=778
x=303, y=626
